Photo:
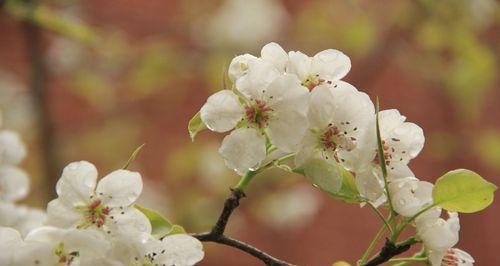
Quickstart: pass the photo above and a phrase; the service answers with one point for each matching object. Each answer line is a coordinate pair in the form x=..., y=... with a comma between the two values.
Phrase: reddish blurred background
x=111, y=75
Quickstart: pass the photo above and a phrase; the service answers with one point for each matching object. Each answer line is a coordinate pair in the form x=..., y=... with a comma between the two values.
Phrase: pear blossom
x=401, y=142
x=338, y=117
x=451, y=257
x=326, y=66
x=274, y=111
x=409, y=195
x=106, y=205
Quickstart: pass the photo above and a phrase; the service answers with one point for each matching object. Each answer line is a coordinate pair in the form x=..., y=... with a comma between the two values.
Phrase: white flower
x=436, y=233
x=12, y=149
x=277, y=109
x=409, y=195
x=401, y=142
x=14, y=183
x=450, y=257
x=338, y=116
x=81, y=204
x=326, y=66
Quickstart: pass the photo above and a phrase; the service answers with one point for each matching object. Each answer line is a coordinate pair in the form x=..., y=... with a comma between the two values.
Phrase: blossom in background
x=84, y=203
x=14, y=186
x=261, y=20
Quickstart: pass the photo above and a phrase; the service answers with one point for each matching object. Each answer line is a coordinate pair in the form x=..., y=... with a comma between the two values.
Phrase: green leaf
x=160, y=226
x=133, y=155
x=332, y=178
x=464, y=191
x=177, y=229
x=195, y=125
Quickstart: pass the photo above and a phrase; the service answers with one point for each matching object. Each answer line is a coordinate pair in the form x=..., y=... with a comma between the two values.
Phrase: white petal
x=243, y=149
x=14, y=183
x=77, y=183
x=308, y=145
x=12, y=149
x=398, y=170
x=10, y=241
x=239, y=66
x=439, y=234
x=321, y=107
x=370, y=186
x=48, y=234
x=222, y=111
x=260, y=74
x=180, y=250
x=389, y=120
x=61, y=215
x=299, y=64
x=410, y=141
x=35, y=253
x=272, y=52
x=409, y=195
x=120, y=188
x=436, y=257
x=88, y=242
x=290, y=104
x=331, y=64
x=130, y=220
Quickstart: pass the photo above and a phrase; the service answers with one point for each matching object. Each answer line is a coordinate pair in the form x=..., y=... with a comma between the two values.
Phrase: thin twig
x=216, y=235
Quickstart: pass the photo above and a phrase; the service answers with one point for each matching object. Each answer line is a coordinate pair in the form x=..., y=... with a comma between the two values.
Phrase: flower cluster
x=294, y=105
x=14, y=186
x=95, y=223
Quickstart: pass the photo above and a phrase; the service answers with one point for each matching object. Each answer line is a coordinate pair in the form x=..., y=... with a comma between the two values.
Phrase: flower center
x=95, y=214
x=332, y=138
x=258, y=114
x=386, y=153
x=312, y=81
x=65, y=258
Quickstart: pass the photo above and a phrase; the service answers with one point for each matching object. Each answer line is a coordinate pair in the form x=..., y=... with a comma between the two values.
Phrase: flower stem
x=381, y=216
x=406, y=260
x=245, y=180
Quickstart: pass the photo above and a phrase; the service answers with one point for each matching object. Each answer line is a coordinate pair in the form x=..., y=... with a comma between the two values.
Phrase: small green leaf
x=160, y=226
x=464, y=191
x=176, y=229
x=133, y=155
x=195, y=125
x=332, y=178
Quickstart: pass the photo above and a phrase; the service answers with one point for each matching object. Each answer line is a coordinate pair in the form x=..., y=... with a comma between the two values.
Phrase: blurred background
x=92, y=80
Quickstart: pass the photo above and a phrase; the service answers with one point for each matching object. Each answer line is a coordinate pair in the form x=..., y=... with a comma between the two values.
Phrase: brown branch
x=216, y=235
x=390, y=250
